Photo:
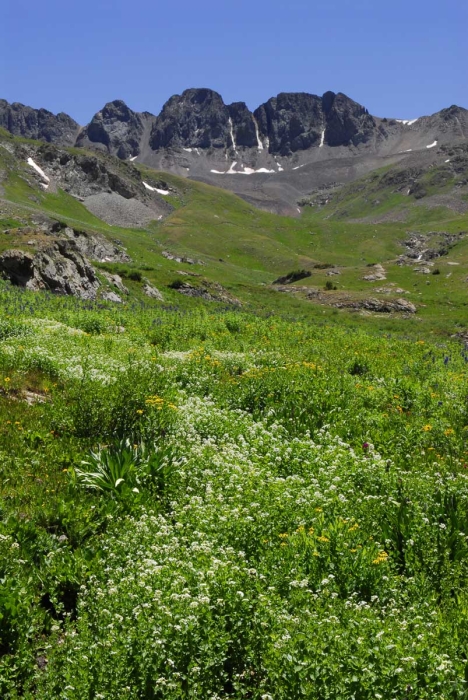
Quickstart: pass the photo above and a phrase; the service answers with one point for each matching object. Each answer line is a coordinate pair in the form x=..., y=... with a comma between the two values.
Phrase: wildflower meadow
x=219, y=504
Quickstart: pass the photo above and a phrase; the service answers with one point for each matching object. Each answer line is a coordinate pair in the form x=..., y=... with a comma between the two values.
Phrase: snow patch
x=155, y=189
x=299, y=166
x=245, y=171
x=280, y=167
x=257, y=132
x=448, y=160
x=231, y=127
x=322, y=139
x=189, y=150
x=133, y=158
x=431, y=145
x=407, y=122
x=38, y=169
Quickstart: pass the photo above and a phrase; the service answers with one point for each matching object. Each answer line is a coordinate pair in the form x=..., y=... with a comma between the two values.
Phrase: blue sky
x=400, y=58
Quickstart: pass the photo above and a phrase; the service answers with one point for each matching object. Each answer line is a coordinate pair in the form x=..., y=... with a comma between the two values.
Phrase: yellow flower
x=449, y=431
x=322, y=538
x=7, y=379
x=381, y=558
x=427, y=428
x=139, y=411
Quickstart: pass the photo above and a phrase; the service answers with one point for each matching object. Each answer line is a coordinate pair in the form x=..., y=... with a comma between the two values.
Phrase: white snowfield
x=133, y=158
x=299, y=166
x=407, y=122
x=155, y=189
x=259, y=141
x=322, y=139
x=244, y=171
x=39, y=170
x=431, y=145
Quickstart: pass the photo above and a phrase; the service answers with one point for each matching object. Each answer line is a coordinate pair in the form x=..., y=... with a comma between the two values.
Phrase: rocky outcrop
x=294, y=276
x=297, y=121
x=40, y=124
x=83, y=174
x=291, y=122
x=152, y=292
x=209, y=291
x=196, y=119
x=116, y=129
x=346, y=122
x=60, y=269
x=116, y=281
x=379, y=305
x=90, y=245
x=378, y=273
x=243, y=126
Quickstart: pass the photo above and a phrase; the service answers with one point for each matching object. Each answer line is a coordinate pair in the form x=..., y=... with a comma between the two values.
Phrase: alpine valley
x=233, y=402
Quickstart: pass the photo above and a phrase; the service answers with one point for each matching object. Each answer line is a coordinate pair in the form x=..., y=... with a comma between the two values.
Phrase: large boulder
x=60, y=269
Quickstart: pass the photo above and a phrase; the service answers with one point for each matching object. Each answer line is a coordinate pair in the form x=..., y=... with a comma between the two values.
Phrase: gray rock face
x=116, y=281
x=291, y=122
x=40, y=124
x=152, y=292
x=379, y=305
x=93, y=246
x=60, y=269
x=116, y=128
x=111, y=296
x=243, y=122
x=196, y=119
x=297, y=121
x=346, y=121
x=84, y=175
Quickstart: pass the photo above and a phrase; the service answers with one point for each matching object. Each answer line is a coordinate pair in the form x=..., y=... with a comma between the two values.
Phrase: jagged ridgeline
x=288, y=147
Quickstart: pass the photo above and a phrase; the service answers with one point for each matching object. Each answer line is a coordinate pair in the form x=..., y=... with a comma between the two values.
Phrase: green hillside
x=254, y=491
x=246, y=249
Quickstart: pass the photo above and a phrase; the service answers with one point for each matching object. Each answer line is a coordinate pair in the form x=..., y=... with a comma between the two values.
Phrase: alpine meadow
x=233, y=402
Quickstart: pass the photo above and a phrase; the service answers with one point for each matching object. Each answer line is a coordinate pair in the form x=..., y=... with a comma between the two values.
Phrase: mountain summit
x=290, y=145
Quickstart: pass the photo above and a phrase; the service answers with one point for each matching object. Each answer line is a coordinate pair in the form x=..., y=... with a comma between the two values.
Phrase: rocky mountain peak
x=196, y=119
x=39, y=124
x=116, y=128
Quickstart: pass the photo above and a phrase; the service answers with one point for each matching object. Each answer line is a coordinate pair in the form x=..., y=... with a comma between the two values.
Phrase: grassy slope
x=245, y=249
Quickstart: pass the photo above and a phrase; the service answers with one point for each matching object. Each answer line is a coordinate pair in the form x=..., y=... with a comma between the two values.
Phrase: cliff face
x=116, y=129
x=39, y=124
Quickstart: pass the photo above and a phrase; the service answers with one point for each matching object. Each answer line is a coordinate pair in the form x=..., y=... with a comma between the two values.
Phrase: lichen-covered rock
x=116, y=281
x=60, y=269
x=111, y=296
x=152, y=292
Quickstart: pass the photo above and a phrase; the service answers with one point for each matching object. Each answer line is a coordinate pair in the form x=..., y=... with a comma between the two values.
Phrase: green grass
x=268, y=502
x=273, y=490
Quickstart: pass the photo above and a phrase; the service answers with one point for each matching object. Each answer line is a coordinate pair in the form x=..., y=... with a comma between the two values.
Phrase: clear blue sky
x=400, y=58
